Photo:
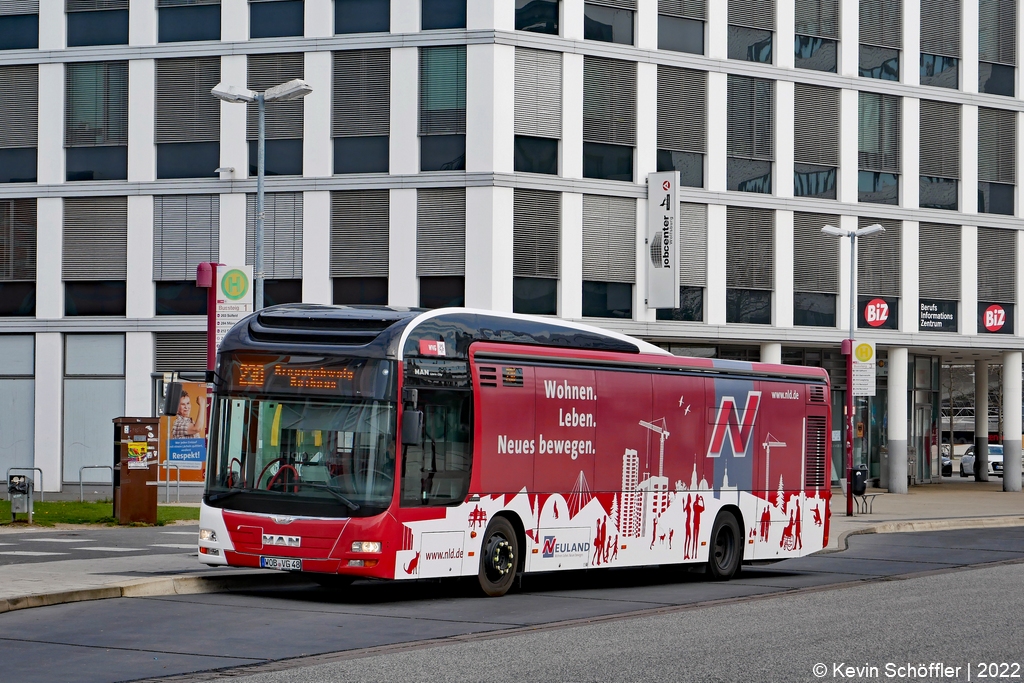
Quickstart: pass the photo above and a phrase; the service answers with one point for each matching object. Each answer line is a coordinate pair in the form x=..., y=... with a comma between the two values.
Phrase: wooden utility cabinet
x=136, y=463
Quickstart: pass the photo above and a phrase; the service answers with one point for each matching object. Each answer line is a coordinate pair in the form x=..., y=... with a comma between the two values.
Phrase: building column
x=718, y=35
x=570, y=255
x=142, y=24
x=50, y=144
x=231, y=250
x=317, y=146
x=897, y=417
x=969, y=149
x=771, y=352
x=969, y=52
x=785, y=135
x=403, y=286
x=488, y=245
x=49, y=396
x=498, y=15
x=647, y=25
x=318, y=21
x=785, y=34
x=784, y=286
x=910, y=162
x=1012, y=386
x=572, y=113
x=849, y=39
x=139, y=364
x=969, y=279
x=317, y=287
x=716, y=264
x=981, y=420
x=234, y=21
x=849, y=161
x=490, y=108
x=234, y=150
x=49, y=259
x=718, y=95
x=141, y=292
x=404, y=150
x=141, y=129
x=572, y=22
x=910, y=278
x=910, y=56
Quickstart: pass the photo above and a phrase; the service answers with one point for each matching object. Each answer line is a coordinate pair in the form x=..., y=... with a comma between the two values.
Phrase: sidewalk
x=957, y=504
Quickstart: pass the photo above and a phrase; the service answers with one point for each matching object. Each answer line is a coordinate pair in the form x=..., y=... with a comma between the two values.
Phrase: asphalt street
x=950, y=596
x=47, y=545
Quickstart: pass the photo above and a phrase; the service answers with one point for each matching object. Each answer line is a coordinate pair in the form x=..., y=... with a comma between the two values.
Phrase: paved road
x=47, y=545
x=770, y=626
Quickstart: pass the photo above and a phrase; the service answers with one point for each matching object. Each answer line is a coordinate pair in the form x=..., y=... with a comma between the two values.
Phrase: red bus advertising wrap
x=342, y=445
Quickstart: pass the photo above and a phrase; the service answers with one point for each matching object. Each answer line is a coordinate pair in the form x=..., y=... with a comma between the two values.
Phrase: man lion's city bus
x=374, y=442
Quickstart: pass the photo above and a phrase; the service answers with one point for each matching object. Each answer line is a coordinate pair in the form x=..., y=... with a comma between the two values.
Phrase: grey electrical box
x=20, y=488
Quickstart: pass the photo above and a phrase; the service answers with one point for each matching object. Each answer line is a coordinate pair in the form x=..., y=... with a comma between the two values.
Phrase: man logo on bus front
x=738, y=428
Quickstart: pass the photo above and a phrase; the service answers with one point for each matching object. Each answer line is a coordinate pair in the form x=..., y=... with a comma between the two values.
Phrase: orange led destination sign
x=254, y=375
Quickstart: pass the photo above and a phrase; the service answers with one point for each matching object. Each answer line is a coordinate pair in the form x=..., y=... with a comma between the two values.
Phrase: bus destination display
x=286, y=374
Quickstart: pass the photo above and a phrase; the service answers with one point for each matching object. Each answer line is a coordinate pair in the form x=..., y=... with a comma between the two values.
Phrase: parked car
x=995, y=461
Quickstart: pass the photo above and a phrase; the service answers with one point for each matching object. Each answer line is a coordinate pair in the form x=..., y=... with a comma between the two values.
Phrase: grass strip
x=51, y=513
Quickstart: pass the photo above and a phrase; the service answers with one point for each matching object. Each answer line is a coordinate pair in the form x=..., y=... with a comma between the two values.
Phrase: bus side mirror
x=412, y=427
x=172, y=397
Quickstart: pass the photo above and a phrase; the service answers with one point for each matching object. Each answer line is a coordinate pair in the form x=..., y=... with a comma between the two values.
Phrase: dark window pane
x=691, y=306
x=536, y=155
x=995, y=198
x=362, y=16
x=680, y=35
x=443, y=153
x=443, y=14
x=370, y=291
x=18, y=165
x=108, y=27
x=94, y=298
x=19, y=32
x=97, y=163
x=196, y=22
x=607, y=300
x=187, y=160
x=610, y=162
x=361, y=155
x=939, y=193
x=750, y=306
x=814, y=310
x=275, y=19
x=539, y=16
x=814, y=53
x=17, y=298
x=608, y=24
x=281, y=157
x=689, y=165
x=814, y=181
x=749, y=175
x=439, y=292
x=534, y=295
x=180, y=298
x=879, y=62
x=996, y=79
x=282, y=292
x=878, y=188
x=750, y=44
x=939, y=71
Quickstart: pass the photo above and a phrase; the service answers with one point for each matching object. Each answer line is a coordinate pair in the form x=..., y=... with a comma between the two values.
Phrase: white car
x=995, y=461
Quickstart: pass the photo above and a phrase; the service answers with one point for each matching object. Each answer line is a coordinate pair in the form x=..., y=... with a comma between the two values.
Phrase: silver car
x=995, y=461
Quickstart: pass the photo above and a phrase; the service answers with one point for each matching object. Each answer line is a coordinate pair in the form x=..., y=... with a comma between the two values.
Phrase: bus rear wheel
x=726, y=549
x=499, y=557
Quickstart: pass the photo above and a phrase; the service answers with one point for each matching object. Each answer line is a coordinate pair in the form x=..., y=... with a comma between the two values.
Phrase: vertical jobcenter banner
x=663, y=240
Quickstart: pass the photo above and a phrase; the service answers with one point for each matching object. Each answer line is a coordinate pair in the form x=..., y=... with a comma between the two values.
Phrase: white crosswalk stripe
x=59, y=540
x=29, y=553
x=109, y=550
x=191, y=546
x=180, y=533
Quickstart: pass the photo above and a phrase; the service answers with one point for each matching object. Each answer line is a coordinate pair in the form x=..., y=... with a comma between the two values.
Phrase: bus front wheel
x=726, y=548
x=499, y=556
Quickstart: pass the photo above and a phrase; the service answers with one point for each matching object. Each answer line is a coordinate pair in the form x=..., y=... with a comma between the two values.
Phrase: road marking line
x=176, y=546
x=181, y=533
x=109, y=550
x=28, y=553
x=60, y=540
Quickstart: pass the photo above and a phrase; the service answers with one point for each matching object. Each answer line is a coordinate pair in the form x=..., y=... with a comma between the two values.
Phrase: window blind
x=94, y=5
x=940, y=27
x=282, y=234
x=20, y=115
x=179, y=351
x=878, y=132
x=750, y=117
x=750, y=246
x=818, y=18
x=693, y=245
x=96, y=110
x=359, y=233
x=186, y=232
x=609, y=239
x=441, y=231
x=939, y=261
x=183, y=3
x=940, y=139
x=997, y=31
x=688, y=9
x=17, y=240
x=621, y=4
x=753, y=13
x=95, y=238
x=609, y=101
x=11, y=7
x=538, y=94
x=881, y=23
x=816, y=125
x=997, y=265
x=185, y=109
x=682, y=109
x=997, y=145
x=536, y=221
x=362, y=93
x=815, y=256
x=283, y=119
x=442, y=90
x=878, y=259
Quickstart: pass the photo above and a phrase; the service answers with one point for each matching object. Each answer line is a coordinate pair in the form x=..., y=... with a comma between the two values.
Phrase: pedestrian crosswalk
x=93, y=544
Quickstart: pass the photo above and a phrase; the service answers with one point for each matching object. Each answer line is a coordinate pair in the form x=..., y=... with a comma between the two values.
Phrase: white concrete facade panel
x=318, y=21
x=490, y=108
x=489, y=248
x=715, y=305
x=142, y=16
x=234, y=150
x=49, y=394
x=234, y=20
x=403, y=286
x=140, y=290
x=969, y=280
x=317, y=147
x=50, y=167
x=141, y=115
x=139, y=360
x=404, y=148
x=571, y=257
x=783, y=253
x=316, y=248
x=49, y=259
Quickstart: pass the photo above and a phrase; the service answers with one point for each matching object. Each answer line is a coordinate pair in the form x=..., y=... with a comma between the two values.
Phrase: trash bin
x=860, y=480
x=136, y=462
x=20, y=489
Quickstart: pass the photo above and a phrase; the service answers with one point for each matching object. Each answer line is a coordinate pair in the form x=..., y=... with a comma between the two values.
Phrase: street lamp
x=292, y=90
x=853, y=234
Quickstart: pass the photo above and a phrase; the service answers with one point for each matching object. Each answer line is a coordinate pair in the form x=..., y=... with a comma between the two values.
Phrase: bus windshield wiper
x=225, y=494
x=333, y=491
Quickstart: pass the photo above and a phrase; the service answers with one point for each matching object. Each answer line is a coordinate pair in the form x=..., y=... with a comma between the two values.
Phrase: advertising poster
x=137, y=452
x=185, y=433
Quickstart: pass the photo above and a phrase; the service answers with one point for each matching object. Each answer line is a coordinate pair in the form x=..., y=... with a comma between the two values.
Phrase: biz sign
x=937, y=316
x=995, y=318
x=878, y=313
x=234, y=297
x=663, y=240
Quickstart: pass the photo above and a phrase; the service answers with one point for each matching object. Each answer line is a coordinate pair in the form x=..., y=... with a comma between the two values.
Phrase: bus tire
x=499, y=557
x=726, y=551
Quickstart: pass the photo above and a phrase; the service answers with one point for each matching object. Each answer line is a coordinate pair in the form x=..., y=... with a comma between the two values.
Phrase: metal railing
x=81, y=487
x=167, y=484
x=42, y=492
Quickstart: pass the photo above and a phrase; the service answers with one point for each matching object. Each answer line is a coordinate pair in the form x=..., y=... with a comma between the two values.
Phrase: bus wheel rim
x=499, y=559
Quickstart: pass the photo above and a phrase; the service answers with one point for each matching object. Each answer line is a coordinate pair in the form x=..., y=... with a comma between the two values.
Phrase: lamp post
x=291, y=90
x=853, y=234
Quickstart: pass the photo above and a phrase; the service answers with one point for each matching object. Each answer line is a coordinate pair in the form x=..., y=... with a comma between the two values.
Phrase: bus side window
x=436, y=471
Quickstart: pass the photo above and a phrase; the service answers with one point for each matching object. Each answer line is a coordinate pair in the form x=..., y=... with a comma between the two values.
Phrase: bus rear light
x=208, y=535
x=366, y=546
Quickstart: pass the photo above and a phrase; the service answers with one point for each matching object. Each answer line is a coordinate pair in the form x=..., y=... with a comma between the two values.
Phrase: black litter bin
x=860, y=480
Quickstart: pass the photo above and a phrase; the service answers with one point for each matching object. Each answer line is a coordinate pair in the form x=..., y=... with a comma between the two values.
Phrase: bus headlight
x=366, y=546
x=208, y=535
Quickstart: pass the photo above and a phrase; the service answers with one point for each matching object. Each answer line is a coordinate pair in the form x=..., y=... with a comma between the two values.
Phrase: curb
x=925, y=525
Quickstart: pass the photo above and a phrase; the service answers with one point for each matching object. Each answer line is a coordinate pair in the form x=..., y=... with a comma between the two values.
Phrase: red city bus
x=390, y=443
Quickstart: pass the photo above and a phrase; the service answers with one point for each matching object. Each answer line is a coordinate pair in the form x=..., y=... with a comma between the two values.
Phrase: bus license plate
x=282, y=563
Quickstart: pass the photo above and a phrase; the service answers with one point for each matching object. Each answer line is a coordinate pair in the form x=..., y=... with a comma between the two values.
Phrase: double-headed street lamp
x=853, y=234
x=292, y=90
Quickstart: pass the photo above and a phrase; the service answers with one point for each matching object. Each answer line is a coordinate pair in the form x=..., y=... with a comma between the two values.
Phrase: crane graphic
x=664, y=434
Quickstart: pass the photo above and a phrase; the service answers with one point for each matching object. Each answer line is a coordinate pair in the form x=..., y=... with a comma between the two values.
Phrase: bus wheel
x=724, y=558
x=499, y=556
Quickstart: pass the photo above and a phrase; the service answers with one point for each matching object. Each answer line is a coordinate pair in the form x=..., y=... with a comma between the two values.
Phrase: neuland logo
x=553, y=547
x=738, y=428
